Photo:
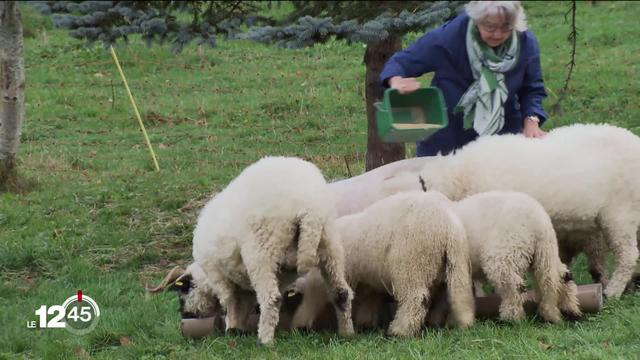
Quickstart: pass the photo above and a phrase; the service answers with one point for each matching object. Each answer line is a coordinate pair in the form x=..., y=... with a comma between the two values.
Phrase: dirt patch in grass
x=153, y=118
x=11, y=180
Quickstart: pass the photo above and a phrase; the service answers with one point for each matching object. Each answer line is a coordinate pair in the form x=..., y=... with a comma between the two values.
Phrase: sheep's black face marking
x=342, y=295
x=291, y=301
x=569, y=277
x=183, y=287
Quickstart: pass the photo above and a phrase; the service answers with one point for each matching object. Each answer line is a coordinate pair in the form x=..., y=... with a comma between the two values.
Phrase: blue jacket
x=444, y=52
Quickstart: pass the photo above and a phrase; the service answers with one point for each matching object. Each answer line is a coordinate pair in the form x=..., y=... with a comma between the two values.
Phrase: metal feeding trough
x=410, y=117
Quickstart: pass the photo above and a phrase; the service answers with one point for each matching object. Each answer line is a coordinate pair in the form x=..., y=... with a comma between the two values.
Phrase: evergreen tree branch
x=309, y=30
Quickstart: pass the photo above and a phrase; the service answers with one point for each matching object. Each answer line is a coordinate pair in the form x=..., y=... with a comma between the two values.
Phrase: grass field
x=101, y=220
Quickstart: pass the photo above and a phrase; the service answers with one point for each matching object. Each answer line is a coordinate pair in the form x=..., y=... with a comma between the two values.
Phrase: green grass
x=103, y=221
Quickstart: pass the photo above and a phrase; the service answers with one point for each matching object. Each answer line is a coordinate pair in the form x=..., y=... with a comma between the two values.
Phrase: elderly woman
x=487, y=65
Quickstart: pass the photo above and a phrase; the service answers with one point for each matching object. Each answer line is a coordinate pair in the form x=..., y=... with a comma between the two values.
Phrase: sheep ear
x=171, y=277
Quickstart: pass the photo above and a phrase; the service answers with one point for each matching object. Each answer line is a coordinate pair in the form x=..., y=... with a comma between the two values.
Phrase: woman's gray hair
x=511, y=10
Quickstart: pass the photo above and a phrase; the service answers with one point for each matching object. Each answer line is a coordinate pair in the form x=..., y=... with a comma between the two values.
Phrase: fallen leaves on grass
x=544, y=346
x=81, y=353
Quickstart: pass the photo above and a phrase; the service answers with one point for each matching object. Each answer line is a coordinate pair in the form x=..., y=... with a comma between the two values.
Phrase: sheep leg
x=332, y=266
x=635, y=281
x=596, y=251
x=548, y=287
x=241, y=310
x=510, y=287
x=412, y=310
x=306, y=314
x=314, y=300
x=568, y=300
x=231, y=301
x=478, y=291
x=367, y=306
x=620, y=231
x=438, y=313
x=265, y=282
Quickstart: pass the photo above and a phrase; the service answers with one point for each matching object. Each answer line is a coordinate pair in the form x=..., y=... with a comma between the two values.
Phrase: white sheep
x=509, y=233
x=271, y=224
x=585, y=176
x=356, y=193
x=404, y=245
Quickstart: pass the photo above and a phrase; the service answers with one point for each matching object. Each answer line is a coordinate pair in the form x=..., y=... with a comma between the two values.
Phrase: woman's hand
x=404, y=85
x=532, y=127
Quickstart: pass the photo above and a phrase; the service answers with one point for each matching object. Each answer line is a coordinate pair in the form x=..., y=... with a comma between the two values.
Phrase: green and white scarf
x=483, y=102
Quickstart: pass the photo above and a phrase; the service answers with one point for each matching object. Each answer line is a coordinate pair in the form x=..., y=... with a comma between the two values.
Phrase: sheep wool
x=270, y=224
x=587, y=178
x=508, y=234
x=404, y=245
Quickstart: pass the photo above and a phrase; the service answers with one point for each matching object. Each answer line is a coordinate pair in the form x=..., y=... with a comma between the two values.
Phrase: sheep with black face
x=271, y=224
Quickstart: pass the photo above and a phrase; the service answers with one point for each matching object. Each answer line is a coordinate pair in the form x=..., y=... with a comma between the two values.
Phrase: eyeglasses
x=491, y=28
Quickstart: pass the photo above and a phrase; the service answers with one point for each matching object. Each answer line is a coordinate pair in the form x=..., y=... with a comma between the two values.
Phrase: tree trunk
x=378, y=152
x=11, y=89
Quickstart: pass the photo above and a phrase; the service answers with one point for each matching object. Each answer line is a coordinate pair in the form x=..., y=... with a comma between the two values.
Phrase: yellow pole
x=135, y=109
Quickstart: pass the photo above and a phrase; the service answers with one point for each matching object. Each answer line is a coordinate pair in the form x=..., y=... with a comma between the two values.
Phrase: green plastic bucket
x=410, y=117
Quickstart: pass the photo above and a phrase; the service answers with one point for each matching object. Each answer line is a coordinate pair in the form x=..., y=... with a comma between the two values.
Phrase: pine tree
x=378, y=24
x=156, y=21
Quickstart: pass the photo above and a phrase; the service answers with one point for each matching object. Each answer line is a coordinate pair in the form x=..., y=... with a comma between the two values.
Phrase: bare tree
x=376, y=55
x=573, y=40
x=11, y=91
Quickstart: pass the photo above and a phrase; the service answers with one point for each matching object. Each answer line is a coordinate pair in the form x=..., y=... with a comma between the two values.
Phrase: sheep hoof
x=387, y=335
x=611, y=293
x=304, y=331
x=349, y=331
x=553, y=319
x=237, y=332
x=267, y=344
x=512, y=315
x=571, y=316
